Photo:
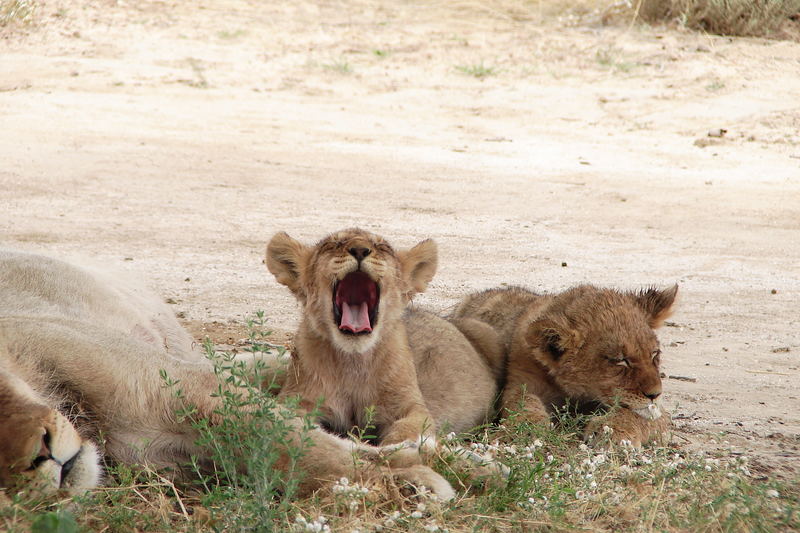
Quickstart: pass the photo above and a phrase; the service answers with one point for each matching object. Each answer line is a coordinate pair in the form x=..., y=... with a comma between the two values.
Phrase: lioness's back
x=39, y=287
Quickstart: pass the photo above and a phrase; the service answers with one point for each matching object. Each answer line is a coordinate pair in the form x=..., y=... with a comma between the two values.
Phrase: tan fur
x=80, y=354
x=588, y=345
x=416, y=370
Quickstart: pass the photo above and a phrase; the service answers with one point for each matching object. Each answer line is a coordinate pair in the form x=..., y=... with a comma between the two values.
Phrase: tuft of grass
x=341, y=67
x=609, y=58
x=199, y=80
x=230, y=35
x=477, y=70
x=759, y=18
x=20, y=11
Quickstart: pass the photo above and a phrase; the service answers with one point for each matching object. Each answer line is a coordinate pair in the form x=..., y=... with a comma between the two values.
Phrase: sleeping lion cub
x=80, y=355
x=587, y=345
x=363, y=354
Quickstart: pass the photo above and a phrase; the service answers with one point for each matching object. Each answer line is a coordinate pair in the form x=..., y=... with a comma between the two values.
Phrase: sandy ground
x=172, y=139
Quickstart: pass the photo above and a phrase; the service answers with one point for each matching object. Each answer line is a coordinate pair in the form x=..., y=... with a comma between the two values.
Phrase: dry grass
x=19, y=11
x=758, y=18
x=761, y=18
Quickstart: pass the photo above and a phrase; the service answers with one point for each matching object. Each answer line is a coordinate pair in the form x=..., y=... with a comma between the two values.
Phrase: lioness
x=80, y=355
x=587, y=345
x=357, y=347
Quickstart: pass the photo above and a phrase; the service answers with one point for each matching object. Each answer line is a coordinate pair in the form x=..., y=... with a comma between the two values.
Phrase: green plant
x=608, y=58
x=245, y=489
x=342, y=67
x=229, y=35
x=477, y=70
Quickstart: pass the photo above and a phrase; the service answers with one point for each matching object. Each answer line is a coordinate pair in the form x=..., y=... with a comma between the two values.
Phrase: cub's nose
x=359, y=252
x=653, y=394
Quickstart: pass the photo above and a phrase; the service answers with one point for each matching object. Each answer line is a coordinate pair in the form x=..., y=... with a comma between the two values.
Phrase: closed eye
x=620, y=361
x=655, y=354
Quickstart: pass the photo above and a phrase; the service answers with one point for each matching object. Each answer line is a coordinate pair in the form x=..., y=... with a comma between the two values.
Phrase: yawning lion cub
x=359, y=349
x=587, y=345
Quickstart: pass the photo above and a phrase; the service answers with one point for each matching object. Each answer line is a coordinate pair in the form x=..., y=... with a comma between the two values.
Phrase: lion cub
x=351, y=348
x=591, y=346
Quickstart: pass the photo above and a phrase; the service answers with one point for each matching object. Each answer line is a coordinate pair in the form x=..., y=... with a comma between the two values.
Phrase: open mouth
x=355, y=303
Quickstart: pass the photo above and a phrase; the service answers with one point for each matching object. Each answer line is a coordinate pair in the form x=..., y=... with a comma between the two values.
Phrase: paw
x=481, y=470
x=423, y=478
x=601, y=431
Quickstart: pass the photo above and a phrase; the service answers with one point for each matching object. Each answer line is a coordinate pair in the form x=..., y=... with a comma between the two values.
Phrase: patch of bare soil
x=173, y=139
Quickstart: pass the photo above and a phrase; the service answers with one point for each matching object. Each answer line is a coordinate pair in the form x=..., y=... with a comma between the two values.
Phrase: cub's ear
x=418, y=265
x=656, y=303
x=286, y=259
x=551, y=338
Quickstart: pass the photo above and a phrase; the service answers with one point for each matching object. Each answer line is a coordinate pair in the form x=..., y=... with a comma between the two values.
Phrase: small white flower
x=593, y=485
x=430, y=527
x=421, y=507
x=531, y=500
x=416, y=514
x=550, y=458
x=580, y=495
x=583, y=447
x=608, y=430
x=772, y=493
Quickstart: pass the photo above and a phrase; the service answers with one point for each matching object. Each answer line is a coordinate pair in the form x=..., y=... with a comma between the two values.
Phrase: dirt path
x=172, y=140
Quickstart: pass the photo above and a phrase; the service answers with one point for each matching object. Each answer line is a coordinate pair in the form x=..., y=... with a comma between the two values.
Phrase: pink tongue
x=355, y=317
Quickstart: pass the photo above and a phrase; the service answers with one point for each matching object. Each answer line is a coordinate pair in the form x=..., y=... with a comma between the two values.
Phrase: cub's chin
x=353, y=344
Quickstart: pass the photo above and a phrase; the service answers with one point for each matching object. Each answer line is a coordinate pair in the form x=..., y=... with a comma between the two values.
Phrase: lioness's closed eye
x=351, y=347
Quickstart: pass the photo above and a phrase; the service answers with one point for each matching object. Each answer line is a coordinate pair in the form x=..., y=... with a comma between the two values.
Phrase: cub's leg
x=416, y=426
x=527, y=406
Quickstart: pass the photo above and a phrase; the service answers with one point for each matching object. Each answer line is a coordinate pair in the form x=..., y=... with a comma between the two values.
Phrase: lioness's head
x=599, y=345
x=352, y=284
x=39, y=448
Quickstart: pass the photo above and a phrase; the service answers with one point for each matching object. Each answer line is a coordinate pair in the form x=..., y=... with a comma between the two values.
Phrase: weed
x=477, y=70
x=342, y=67
x=245, y=490
x=608, y=58
x=715, y=85
x=200, y=79
x=229, y=35
x=383, y=54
